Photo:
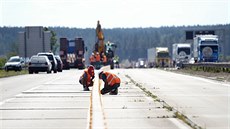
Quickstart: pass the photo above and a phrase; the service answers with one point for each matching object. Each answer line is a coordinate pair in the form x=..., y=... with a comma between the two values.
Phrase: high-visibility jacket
x=88, y=79
x=112, y=78
x=98, y=57
x=104, y=59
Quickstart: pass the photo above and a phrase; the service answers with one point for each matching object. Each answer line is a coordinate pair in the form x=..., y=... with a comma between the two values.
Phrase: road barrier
x=208, y=67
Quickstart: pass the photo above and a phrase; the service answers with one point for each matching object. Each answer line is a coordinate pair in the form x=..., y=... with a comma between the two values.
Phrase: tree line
x=132, y=42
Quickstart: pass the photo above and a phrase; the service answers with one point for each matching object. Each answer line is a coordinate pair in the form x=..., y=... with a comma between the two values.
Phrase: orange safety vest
x=98, y=57
x=104, y=59
x=88, y=80
x=112, y=78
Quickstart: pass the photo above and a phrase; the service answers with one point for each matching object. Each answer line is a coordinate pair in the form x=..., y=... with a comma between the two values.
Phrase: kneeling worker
x=111, y=83
x=87, y=77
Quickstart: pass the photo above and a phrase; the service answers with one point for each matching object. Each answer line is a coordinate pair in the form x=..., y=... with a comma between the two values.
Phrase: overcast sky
x=113, y=13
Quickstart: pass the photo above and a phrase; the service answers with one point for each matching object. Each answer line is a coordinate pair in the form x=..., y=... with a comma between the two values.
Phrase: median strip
x=96, y=114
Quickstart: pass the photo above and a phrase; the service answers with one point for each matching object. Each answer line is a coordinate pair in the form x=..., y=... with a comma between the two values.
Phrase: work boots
x=114, y=92
x=85, y=88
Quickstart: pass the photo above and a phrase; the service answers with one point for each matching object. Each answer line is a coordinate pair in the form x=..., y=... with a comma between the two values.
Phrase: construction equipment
x=102, y=48
x=72, y=53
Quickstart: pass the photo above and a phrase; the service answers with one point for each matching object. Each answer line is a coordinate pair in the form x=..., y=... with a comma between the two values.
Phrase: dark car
x=51, y=58
x=39, y=64
x=14, y=63
x=59, y=63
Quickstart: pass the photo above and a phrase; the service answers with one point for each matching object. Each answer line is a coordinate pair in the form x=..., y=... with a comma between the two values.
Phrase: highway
x=56, y=101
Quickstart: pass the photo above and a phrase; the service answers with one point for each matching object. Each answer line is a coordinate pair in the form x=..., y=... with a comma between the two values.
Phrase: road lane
x=14, y=85
x=205, y=102
x=57, y=102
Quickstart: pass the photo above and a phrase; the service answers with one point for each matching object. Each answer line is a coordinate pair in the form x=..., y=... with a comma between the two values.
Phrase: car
x=59, y=63
x=39, y=64
x=51, y=58
x=14, y=63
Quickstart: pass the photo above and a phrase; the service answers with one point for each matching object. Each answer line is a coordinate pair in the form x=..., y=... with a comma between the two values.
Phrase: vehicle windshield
x=14, y=60
x=186, y=50
x=208, y=42
x=163, y=54
x=38, y=59
x=50, y=57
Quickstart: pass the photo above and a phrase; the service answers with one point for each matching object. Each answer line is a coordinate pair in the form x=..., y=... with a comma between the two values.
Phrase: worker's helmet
x=100, y=74
x=91, y=70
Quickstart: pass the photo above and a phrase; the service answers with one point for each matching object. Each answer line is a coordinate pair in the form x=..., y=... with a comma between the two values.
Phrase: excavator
x=105, y=50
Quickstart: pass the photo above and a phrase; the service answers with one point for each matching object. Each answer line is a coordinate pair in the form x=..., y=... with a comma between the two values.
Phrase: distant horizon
x=115, y=27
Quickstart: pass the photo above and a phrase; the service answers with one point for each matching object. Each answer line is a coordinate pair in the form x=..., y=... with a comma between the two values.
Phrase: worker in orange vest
x=98, y=60
x=111, y=83
x=97, y=57
x=87, y=77
x=104, y=59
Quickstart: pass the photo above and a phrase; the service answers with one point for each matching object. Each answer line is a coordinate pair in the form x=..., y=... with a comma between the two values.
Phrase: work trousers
x=112, y=89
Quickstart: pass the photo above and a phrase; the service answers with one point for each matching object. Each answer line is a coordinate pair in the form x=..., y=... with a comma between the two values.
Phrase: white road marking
x=178, y=124
x=7, y=100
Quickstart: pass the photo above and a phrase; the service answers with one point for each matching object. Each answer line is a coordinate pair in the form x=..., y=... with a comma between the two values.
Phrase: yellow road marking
x=96, y=113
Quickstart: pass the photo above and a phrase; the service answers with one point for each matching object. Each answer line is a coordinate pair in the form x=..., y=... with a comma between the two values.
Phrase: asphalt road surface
x=56, y=101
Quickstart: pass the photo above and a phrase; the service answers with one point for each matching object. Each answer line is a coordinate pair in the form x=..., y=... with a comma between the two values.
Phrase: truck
x=162, y=57
x=108, y=48
x=159, y=57
x=72, y=53
x=206, y=48
x=151, y=57
x=181, y=53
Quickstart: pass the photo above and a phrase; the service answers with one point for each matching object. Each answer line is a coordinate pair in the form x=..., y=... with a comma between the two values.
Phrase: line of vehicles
x=42, y=62
x=205, y=48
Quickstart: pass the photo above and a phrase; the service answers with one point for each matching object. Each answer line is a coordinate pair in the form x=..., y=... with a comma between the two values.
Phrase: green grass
x=3, y=73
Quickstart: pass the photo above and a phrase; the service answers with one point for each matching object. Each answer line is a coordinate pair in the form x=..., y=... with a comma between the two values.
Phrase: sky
x=113, y=13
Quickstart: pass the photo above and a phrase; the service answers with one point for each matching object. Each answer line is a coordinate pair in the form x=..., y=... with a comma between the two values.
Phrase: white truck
x=181, y=53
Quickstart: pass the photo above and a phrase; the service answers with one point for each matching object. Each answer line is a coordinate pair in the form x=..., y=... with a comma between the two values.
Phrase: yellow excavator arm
x=100, y=38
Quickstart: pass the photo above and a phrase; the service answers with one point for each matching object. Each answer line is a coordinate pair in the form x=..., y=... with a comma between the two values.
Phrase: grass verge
x=3, y=73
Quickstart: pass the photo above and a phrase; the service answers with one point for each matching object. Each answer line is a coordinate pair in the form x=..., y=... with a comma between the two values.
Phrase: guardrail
x=209, y=66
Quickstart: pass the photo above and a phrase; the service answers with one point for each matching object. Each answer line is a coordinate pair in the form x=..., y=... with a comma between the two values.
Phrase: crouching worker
x=111, y=83
x=87, y=77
